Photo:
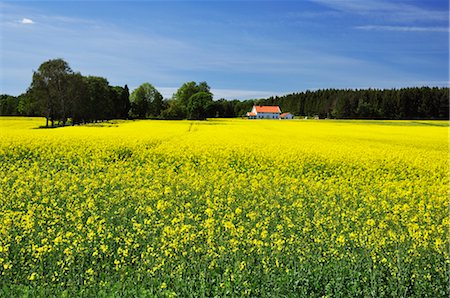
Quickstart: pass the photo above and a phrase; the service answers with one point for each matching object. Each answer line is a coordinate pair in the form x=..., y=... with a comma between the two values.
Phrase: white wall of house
x=267, y=115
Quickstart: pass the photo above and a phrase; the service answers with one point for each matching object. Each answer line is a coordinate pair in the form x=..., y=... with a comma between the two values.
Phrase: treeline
x=63, y=96
x=405, y=103
x=59, y=94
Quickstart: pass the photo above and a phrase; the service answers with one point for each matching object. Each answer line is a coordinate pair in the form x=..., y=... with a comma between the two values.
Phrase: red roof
x=251, y=114
x=268, y=109
x=284, y=115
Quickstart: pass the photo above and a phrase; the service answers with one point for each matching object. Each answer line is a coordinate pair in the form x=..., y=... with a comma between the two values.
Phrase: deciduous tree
x=146, y=101
x=50, y=88
x=198, y=105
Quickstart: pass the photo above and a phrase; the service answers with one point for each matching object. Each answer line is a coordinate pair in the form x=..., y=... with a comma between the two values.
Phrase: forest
x=64, y=96
x=404, y=103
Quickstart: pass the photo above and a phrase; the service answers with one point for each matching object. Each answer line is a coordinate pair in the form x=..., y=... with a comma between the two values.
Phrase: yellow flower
x=33, y=276
x=340, y=240
x=164, y=198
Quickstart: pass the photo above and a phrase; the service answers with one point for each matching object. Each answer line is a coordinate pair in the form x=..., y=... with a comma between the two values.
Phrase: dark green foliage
x=406, y=103
x=59, y=94
x=182, y=106
x=120, y=102
x=199, y=105
x=146, y=102
x=223, y=108
x=9, y=105
x=26, y=106
x=50, y=87
x=99, y=104
x=79, y=104
x=173, y=111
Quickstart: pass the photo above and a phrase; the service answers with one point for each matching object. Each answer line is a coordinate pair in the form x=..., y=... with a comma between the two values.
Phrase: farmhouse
x=264, y=112
x=286, y=116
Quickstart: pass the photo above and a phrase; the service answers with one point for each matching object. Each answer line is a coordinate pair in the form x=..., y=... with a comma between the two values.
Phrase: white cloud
x=402, y=28
x=241, y=94
x=392, y=10
x=167, y=92
x=27, y=21
x=96, y=47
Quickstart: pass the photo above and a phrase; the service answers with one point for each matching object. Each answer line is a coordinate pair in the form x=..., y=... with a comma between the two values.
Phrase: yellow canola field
x=225, y=208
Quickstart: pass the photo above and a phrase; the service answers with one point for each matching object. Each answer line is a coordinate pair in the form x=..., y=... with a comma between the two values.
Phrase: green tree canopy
x=198, y=105
x=121, y=101
x=181, y=97
x=60, y=94
x=146, y=101
x=50, y=88
x=8, y=105
x=97, y=98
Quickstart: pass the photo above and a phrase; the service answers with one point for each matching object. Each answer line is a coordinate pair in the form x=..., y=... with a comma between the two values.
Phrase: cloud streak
x=242, y=62
x=402, y=28
x=230, y=94
x=394, y=11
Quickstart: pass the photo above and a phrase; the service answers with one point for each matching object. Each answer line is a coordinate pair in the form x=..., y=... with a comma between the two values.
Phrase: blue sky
x=243, y=49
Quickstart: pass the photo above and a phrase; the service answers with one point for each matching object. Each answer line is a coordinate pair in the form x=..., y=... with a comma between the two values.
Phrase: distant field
x=225, y=208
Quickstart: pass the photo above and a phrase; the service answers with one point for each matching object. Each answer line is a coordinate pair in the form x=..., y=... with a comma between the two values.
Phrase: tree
x=27, y=106
x=98, y=103
x=80, y=111
x=121, y=101
x=125, y=104
x=157, y=104
x=50, y=88
x=185, y=92
x=198, y=105
x=8, y=105
x=172, y=110
x=388, y=104
x=364, y=109
x=146, y=101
